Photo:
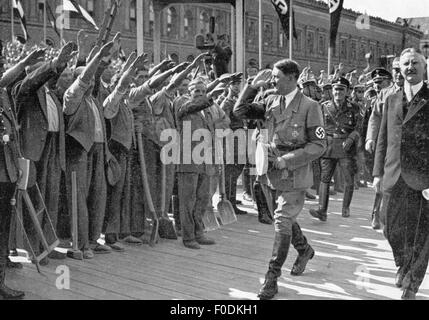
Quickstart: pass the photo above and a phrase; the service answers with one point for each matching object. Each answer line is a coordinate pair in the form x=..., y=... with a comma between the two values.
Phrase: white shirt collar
x=289, y=97
x=415, y=88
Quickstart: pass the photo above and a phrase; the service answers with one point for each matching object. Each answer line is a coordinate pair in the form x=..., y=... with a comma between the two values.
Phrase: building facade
x=180, y=23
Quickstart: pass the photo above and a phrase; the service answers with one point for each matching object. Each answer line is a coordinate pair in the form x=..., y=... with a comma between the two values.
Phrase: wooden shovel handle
x=144, y=174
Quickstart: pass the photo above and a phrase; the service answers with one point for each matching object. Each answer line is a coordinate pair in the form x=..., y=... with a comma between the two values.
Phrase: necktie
x=282, y=104
x=404, y=105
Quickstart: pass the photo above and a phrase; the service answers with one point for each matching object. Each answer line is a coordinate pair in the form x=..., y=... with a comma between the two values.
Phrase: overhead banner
x=335, y=8
x=283, y=10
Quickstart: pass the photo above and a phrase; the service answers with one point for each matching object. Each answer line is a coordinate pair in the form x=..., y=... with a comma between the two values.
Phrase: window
x=133, y=9
x=151, y=18
x=190, y=58
x=172, y=22
x=353, y=50
x=310, y=43
x=220, y=24
x=188, y=24
x=204, y=23
x=268, y=33
x=343, y=49
x=40, y=9
x=362, y=51
x=90, y=7
x=297, y=41
x=251, y=33
x=322, y=45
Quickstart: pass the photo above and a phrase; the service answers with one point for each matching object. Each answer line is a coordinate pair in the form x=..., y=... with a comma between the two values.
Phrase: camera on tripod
x=206, y=42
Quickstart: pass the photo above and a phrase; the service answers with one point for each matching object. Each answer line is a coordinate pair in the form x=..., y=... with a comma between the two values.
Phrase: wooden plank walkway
x=352, y=262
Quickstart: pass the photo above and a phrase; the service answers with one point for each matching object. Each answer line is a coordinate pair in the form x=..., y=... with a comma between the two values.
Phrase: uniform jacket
x=341, y=122
x=377, y=112
x=403, y=143
x=296, y=134
x=33, y=114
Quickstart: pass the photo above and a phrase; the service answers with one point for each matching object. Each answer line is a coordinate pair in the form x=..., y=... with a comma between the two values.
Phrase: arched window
x=204, y=22
x=188, y=24
x=172, y=22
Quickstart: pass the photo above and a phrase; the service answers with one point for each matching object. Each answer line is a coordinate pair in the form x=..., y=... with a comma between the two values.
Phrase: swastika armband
x=316, y=133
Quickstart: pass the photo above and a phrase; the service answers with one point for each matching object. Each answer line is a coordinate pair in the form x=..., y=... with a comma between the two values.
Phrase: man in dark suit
x=403, y=162
x=86, y=153
x=9, y=174
x=40, y=116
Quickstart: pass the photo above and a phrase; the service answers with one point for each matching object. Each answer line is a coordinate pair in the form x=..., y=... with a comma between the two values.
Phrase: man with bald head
x=402, y=160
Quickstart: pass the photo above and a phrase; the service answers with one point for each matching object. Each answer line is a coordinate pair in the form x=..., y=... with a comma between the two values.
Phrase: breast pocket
x=292, y=133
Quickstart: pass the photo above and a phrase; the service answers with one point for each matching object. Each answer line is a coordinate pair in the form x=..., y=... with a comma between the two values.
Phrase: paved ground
x=352, y=261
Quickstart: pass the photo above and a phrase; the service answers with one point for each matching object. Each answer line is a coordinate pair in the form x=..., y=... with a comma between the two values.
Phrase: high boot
x=321, y=213
x=375, y=216
x=264, y=215
x=5, y=292
x=278, y=258
x=176, y=214
x=348, y=195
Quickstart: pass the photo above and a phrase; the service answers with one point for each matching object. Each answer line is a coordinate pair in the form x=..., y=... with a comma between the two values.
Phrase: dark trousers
x=193, y=201
x=48, y=178
x=232, y=172
x=118, y=197
x=91, y=189
x=6, y=193
x=348, y=166
x=407, y=230
x=248, y=180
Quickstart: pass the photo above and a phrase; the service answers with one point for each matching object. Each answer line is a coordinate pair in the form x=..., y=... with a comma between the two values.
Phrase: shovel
x=155, y=222
x=224, y=207
x=166, y=227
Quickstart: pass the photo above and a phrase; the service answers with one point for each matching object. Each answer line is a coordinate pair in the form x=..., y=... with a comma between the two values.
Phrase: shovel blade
x=210, y=221
x=226, y=212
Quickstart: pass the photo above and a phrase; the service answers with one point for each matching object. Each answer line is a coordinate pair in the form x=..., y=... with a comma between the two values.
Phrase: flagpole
x=329, y=59
x=290, y=29
x=260, y=34
x=62, y=25
x=44, y=21
x=12, y=20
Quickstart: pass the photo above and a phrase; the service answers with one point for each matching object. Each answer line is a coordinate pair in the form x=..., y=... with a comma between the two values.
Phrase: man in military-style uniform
x=294, y=138
x=342, y=123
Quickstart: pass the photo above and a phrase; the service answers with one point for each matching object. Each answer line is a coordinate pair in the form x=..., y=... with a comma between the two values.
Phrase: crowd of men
x=80, y=113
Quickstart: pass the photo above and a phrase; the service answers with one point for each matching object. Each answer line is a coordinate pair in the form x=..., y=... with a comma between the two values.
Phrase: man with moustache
x=294, y=138
x=402, y=160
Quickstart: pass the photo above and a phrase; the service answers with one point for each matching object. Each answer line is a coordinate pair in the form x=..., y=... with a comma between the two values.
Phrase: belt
x=288, y=148
x=338, y=136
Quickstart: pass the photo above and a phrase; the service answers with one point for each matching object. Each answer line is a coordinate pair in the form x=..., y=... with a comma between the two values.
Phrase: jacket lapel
x=418, y=102
x=41, y=94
